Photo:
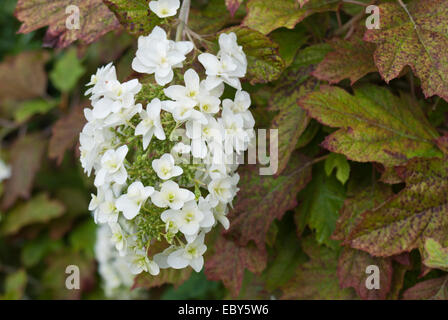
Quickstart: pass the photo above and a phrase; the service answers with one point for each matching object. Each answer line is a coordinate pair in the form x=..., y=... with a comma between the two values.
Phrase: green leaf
x=39, y=209
x=289, y=42
x=268, y=15
x=418, y=212
x=340, y=163
x=166, y=276
x=83, y=238
x=15, y=284
x=30, y=108
x=134, y=15
x=375, y=124
x=414, y=37
x=311, y=55
x=317, y=278
x=351, y=58
x=320, y=203
x=95, y=20
x=264, y=63
x=67, y=71
x=196, y=287
x=34, y=251
x=286, y=255
x=435, y=255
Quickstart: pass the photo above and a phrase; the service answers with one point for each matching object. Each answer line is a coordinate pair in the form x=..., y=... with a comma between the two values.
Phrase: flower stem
x=183, y=19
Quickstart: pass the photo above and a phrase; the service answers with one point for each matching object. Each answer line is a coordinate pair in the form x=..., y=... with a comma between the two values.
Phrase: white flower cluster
x=117, y=278
x=165, y=173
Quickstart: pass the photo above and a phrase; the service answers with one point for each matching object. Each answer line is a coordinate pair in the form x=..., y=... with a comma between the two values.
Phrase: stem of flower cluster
x=183, y=19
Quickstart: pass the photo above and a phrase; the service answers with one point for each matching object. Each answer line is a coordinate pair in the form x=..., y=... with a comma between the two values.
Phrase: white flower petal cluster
x=229, y=65
x=166, y=172
x=164, y=8
x=159, y=56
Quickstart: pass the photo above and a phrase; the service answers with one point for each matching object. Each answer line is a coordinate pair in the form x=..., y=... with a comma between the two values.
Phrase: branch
x=183, y=19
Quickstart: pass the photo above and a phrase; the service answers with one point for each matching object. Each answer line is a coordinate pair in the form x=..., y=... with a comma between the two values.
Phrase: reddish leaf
x=23, y=76
x=418, y=212
x=230, y=260
x=351, y=58
x=65, y=133
x=26, y=156
x=352, y=273
x=94, y=17
x=233, y=5
x=262, y=199
x=433, y=289
x=417, y=38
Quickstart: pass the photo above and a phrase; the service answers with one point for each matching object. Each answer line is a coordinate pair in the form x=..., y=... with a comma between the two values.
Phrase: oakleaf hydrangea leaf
x=352, y=273
x=351, y=59
x=436, y=255
x=134, y=15
x=375, y=124
x=264, y=63
x=268, y=15
x=39, y=209
x=432, y=289
x=254, y=209
x=415, y=214
x=417, y=38
x=340, y=163
x=94, y=18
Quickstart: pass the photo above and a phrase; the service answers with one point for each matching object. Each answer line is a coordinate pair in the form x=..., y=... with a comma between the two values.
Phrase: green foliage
x=67, y=71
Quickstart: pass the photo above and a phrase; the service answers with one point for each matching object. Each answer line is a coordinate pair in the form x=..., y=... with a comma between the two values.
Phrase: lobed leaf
x=351, y=59
x=415, y=214
x=417, y=38
x=268, y=15
x=375, y=124
x=94, y=17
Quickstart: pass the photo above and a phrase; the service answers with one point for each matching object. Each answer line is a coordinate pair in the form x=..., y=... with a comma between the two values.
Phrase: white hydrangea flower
x=164, y=8
x=190, y=255
x=107, y=210
x=131, y=202
x=165, y=167
x=170, y=195
x=140, y=262
x=158, y=55
x=150, y=124
x=241, y=105
x=112, y=167
x=5, y=171
x=99, y=81
x=223, y=189
x=118, y=238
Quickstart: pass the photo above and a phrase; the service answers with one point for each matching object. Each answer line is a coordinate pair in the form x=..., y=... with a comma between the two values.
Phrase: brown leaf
x=23, y=76
x=94, y=17
x=233, y=5
x=262, y=199
x=433, y=289
x=352, y=273
x=26, y=156
x=351, y=59
x=230, y=260
x=65, y=133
